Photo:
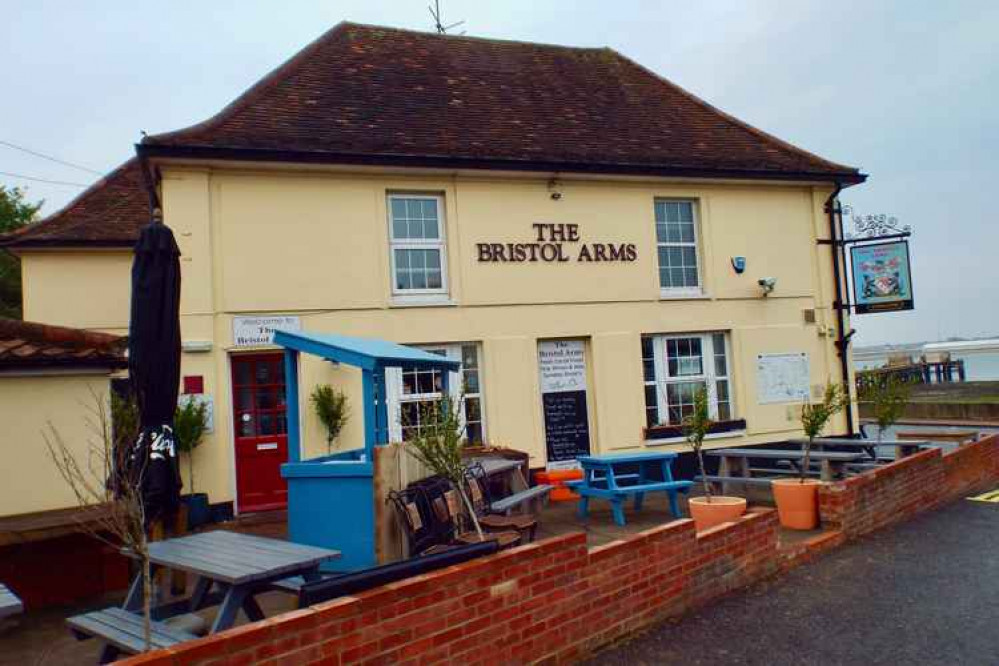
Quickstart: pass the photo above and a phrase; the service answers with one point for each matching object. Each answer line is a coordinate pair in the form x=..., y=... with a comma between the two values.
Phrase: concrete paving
x=925, y=592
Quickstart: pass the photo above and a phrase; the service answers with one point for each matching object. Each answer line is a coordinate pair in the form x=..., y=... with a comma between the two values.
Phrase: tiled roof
x=371, y=95
x=109, y=213
x=28, y=345
x=365, y=94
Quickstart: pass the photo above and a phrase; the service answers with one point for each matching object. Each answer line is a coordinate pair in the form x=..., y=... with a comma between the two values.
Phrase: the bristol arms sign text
x=555, y=243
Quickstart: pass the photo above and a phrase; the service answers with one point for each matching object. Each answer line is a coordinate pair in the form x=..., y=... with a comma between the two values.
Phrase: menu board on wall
x=562, y=364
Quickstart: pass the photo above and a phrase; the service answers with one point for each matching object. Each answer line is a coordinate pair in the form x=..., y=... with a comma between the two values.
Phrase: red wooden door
x=261, y=431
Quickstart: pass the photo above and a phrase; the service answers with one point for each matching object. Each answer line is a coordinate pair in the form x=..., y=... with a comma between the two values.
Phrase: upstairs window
x=416, y=237
x=676, y=246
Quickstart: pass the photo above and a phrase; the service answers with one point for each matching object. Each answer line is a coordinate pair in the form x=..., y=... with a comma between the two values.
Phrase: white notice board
x=782, y=378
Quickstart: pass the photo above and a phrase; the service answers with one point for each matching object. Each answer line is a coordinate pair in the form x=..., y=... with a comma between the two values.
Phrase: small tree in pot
x=331, y=408
x=190, y=422
x=797, y=499
x=709, y=510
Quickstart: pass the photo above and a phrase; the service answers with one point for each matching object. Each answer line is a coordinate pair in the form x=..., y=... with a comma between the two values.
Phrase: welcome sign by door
x=562, y=364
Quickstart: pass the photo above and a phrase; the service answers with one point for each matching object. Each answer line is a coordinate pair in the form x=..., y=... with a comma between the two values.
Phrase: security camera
x=767, y=284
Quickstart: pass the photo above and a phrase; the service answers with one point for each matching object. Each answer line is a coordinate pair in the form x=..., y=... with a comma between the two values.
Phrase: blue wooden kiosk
x=331, y=500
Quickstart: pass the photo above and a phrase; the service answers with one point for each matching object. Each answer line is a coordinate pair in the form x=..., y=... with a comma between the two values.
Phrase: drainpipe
x=149, y=181
x=842, y=336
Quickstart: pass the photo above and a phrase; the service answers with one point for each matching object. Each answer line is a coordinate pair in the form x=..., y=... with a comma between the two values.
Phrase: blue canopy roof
x=368, y=353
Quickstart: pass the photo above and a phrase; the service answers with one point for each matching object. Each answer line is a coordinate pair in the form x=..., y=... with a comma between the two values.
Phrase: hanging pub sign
x=562, y=364
x=882, y=281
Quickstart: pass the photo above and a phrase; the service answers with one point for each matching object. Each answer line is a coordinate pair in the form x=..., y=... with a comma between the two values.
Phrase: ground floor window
x=413, y=393
x=675, y=367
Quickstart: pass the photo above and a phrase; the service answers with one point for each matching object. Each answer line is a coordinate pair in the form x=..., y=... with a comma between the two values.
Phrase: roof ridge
x=59, y=334
x=784, y=145
x=474, y=38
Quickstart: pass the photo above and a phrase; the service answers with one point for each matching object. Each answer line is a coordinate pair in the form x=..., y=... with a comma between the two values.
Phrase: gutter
x=146, y=151
x=843, y=337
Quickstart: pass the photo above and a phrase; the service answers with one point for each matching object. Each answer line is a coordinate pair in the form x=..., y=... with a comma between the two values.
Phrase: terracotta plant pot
x=720, y=509
x=797, y=503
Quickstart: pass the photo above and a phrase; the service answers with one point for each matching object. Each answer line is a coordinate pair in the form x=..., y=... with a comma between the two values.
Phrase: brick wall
x=896, y=492
x=553, y=600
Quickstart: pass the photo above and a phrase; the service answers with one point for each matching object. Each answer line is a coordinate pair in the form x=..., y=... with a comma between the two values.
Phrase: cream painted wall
x=316, y=245
x=30, y=481
x=85, y=289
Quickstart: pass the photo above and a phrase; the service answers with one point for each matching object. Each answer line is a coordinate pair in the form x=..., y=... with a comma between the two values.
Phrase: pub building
x=590, y=241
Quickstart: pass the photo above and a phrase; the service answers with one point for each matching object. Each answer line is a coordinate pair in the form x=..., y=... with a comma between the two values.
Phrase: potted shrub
x=331, y=408
x=797, y=499
x=189, y=424
x=709, y=510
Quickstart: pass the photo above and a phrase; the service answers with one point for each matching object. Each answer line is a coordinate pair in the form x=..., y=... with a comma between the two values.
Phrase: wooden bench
x=530, y=497
x=735, y=480
x=122, y=631
x=10, y=603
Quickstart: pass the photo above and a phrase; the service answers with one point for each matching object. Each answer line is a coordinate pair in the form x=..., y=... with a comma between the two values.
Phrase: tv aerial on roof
x=442, y=29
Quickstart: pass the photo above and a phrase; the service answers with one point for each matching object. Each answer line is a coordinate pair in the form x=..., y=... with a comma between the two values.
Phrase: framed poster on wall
x=562, y=365
x=882, y=280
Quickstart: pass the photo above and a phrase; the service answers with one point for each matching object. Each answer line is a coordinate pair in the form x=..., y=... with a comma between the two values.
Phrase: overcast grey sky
x=906, y=90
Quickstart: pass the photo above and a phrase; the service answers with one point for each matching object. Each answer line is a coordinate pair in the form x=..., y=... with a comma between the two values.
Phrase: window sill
x=683, y=440
x=666, y=295
x=422, y=301
x=674, y=434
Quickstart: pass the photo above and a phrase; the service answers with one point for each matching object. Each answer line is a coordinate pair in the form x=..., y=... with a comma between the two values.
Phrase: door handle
x=269, y=446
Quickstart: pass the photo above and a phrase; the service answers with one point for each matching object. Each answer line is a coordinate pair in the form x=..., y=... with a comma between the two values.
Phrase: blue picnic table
x=610, y=477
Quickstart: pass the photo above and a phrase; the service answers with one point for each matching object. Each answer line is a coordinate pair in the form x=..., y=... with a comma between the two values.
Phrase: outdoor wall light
x=555, y=189
x=767, y=284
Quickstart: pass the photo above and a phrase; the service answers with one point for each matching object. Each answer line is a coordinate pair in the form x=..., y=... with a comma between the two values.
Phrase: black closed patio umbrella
x=154, y=366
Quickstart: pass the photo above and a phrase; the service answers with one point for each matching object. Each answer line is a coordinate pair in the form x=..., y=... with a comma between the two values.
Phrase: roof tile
x=27, y=345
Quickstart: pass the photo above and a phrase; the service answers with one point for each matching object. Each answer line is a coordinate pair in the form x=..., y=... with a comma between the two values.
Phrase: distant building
x=49, y=376
x=524, y=208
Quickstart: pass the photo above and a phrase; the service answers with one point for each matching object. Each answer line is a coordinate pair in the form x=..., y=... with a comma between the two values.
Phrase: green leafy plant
x=815, y=416
x=15, y=213
x=437, y=443
x=696, y=426
x=887, y=399
x=332, y=409
x=190, y=422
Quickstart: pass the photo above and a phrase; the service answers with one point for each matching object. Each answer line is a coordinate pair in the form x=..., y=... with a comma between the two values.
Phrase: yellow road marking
x=991, y=496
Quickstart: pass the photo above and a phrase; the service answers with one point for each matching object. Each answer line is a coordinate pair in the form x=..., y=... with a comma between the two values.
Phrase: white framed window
x=677, y=248
x=412, y=393
x=675, y=367
x=418, y=251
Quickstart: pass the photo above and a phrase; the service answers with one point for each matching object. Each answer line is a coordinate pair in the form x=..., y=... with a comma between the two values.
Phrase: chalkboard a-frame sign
x=562, y=364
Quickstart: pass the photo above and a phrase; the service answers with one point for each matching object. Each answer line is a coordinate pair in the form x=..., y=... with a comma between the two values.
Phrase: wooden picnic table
x=735, y=462
x=902, y=448
x=604, y=478
x=230, y=569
